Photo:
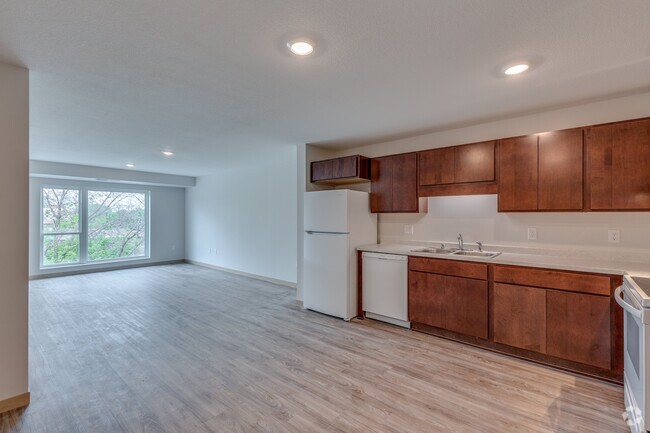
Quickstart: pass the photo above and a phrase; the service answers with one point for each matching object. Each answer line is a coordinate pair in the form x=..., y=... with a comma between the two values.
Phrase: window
x=116, y=225
x=80, y=226
x=61, y=230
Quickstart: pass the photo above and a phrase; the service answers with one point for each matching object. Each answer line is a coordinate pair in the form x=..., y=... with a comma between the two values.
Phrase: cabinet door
x=520, y=316
x=518, y=174
x=405, y=179
x=381, y=187
x=474, y=162
x=437, y=166
x=618, y=157
x=578, y=327
x=321, y=170
x=426, y=299
x=560, y=170
x=345, y=167
x=452, y=303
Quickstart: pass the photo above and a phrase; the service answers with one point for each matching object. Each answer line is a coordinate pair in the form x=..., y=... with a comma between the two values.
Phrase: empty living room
x=341, y=216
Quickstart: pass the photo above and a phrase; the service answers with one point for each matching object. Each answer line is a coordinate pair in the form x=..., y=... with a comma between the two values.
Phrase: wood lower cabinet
x=519, y=315
x=566, y=315
x=441, y=295
x=452, y=303
x=618, y=157
x=344, y=170
x=394, y=184
x=560, y=318
x=578, y=327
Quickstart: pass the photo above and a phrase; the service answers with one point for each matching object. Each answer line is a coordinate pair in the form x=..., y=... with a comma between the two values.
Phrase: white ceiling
x=118, y=81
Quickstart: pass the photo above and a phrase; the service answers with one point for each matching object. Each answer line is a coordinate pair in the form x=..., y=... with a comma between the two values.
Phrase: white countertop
x=563, y=262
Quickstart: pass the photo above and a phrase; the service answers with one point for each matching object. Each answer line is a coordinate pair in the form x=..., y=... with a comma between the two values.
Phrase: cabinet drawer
x=559, y=280
x=449, y=267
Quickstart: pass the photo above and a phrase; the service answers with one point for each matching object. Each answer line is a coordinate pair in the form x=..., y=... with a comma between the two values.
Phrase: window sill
x=93, y=263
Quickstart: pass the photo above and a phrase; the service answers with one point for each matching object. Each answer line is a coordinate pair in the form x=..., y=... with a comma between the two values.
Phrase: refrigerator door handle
x=313, y=232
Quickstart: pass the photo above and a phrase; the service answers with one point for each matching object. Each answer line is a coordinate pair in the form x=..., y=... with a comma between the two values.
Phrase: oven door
x=636, y=402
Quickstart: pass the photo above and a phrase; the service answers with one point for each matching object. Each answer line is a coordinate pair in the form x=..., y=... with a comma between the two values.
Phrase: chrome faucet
x=480, y=246
x=460, y=241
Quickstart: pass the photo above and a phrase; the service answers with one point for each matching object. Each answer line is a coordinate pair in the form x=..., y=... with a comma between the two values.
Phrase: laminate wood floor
x=182, y=348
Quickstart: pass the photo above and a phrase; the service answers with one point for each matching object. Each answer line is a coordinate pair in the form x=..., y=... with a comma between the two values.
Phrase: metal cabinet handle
x=625, y=305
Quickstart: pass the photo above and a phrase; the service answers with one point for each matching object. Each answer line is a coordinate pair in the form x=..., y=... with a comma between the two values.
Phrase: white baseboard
x=243, y=274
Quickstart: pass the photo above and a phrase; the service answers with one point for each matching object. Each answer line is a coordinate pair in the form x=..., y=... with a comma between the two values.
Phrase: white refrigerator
x=336, y=223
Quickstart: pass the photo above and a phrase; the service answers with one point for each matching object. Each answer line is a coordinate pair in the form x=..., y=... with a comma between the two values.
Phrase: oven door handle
x=625, y=305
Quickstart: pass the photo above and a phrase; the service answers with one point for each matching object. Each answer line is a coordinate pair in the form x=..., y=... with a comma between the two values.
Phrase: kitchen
x=354, y=216
x=512, y=245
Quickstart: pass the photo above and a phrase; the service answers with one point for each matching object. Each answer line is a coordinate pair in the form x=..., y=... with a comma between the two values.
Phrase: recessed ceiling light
x=516, y=69
x=168, y=152
x=130, y=165
x=301, y=47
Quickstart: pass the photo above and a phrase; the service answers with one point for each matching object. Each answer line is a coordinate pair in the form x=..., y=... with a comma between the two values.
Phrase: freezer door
x=327, y=211
x=325, y=274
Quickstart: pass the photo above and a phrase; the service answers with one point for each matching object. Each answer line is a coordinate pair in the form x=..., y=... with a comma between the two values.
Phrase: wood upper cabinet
x=618, y=157
x=542, y=172
x=322, y=170
x=474, y=162
x=518, y=174
x=519, y=315
x=458, y=170
x=560, y=172
x=437, y=166
x=344, y=170
x=578, y=328
x=394, y=183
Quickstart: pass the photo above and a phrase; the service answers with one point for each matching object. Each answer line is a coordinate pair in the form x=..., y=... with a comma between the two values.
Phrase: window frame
x=43, y=234
x=83, y=226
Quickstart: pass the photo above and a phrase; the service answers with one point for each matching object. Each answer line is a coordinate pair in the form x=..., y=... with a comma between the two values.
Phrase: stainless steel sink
x=484, y=254
x=433, y=251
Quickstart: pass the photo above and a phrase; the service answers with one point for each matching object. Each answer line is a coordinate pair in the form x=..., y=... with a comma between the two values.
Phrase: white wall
x=247, y=213
x=14, y=180
x=476, y=216
x=610, y=110
x=167, y=224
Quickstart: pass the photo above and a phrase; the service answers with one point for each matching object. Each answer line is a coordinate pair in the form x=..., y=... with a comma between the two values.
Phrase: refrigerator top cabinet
x=336, y=223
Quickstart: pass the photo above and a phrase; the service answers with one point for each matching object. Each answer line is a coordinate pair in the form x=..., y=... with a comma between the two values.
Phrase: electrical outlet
x=613, y=236
x=408, y=229
x=532, y=234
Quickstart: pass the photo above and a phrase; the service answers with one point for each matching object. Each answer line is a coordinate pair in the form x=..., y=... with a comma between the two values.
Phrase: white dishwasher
x=385, y=288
